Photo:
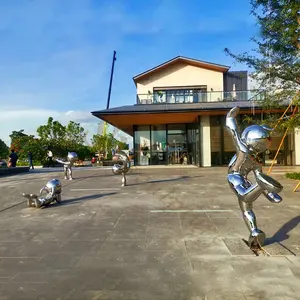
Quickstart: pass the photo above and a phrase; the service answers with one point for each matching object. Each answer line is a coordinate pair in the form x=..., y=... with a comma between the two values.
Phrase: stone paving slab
x=170, y=234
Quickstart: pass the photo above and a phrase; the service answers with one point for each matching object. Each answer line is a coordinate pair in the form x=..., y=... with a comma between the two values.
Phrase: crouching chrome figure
x=49, y=193
x=68, y=164
x=121, y=169
x=254, y=139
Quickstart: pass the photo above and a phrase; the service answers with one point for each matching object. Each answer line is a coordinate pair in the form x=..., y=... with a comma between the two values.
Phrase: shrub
x=293, y=175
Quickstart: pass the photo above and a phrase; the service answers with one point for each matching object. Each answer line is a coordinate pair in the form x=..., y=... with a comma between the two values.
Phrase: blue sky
x=55, y=56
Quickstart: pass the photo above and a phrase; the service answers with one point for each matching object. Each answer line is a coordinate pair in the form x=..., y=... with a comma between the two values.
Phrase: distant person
x=30, y=160
x=13, y=158
x=50, y=158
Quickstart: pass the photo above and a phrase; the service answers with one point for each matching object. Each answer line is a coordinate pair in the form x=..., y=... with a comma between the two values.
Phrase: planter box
x=13, y=171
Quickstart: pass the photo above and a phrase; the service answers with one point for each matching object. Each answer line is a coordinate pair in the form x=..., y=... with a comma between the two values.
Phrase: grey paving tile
x=128, y=232
x=237, y=246
x=195, y=227
x=157, y=243
x=232, y=227
x=206, y=246
x=92, y=234
x=60, y=261
x=123, y=246
x=37, y=248
x=11, y=249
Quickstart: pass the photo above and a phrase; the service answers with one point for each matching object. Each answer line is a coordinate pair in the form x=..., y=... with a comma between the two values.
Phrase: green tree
x=4, y=150
x=53, y=136
x=74, y=135
x=275, y=62
x=104, y=142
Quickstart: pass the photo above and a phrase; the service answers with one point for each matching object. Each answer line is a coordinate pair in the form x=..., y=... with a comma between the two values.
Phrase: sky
x=56, y=56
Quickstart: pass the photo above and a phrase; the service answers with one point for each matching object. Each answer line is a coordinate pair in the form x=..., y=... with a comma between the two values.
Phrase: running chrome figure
x=254, y=139
x=71, y=159
x=49, y=193
x=122, y=169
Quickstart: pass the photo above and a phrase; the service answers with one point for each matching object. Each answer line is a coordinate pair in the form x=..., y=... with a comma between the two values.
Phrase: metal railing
x=199, y=97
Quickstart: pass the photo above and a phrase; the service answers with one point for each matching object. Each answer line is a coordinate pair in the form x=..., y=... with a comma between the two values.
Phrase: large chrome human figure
x=122, y=168
x=254, y=139
x=49, y=193
x=68, y=164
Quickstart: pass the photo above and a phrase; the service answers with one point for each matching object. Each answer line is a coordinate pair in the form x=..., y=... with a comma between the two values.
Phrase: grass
x=294, y=175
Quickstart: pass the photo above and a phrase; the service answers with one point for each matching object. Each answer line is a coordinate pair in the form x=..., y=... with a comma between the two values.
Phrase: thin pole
x=111, y=79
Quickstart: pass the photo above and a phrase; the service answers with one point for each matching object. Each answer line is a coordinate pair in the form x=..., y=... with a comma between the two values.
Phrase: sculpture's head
x=257, y=138
x=54, y=184
x=72, y=157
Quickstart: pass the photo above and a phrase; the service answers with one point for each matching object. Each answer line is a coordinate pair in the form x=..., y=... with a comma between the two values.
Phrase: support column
x=205, y=141
x=297, y=146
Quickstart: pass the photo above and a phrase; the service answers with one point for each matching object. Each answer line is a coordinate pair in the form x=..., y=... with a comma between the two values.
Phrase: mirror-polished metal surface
x=49, y=193
x=68, y=164
x=254, y=140
x=122, y=169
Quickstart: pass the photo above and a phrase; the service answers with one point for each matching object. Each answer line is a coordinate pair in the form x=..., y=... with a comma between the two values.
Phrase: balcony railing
x=198, y=97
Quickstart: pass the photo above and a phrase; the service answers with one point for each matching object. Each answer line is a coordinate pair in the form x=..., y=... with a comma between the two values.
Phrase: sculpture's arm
x=62, y=161
x=232, y=126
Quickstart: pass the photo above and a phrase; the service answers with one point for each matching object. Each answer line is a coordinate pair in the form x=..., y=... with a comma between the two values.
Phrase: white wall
x=205, y=141
x=297, y=146
x=182, y=74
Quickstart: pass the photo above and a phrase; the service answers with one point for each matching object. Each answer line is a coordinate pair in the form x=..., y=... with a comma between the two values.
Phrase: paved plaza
x=172, y=233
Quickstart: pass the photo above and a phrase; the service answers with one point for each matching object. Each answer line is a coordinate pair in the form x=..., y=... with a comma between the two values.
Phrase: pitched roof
x=190, y=61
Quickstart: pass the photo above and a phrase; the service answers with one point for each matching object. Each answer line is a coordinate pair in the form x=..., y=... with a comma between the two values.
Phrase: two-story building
x=180, y=111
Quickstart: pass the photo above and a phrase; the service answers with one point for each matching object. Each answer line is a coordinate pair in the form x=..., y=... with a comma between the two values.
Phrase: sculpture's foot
x=274, y=198
x=58, y=198
x=70, y=178
x=30, y=199
x=66, y=177
x=256, y=239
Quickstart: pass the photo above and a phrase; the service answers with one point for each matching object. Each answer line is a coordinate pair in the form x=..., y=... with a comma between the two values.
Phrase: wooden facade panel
x=215, y=139
x=228, y=142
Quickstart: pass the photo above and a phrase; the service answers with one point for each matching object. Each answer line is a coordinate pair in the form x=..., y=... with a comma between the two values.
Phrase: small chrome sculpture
x=49, y=193
x=254, y=139
x=71, y=159
x=124, y=168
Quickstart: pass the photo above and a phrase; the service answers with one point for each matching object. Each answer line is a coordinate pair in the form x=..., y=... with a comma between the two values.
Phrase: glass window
x=176, y=128
x=158, y=144
x=142, y=145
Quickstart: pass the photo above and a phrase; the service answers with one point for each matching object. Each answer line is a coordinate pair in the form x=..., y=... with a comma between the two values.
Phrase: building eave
x=190, y=61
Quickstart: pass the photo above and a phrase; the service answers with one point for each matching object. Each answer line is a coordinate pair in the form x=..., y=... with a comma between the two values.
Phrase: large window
x=181, y=95
x=142, y=145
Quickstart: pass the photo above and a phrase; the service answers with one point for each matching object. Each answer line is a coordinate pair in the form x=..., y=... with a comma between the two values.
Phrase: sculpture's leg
x=70, y=173
x=257, y=237
x=58, y=198
x=66, y=172
x=123, y=179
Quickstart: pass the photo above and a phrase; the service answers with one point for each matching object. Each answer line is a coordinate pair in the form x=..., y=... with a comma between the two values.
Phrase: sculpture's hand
x=273, y=197
x=233, y=112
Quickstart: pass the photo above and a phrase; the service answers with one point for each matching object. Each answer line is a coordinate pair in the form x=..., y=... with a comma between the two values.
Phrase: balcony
x=162, y=97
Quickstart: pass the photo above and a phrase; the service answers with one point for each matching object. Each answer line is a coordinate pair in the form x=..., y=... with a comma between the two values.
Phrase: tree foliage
x=4, y=150
x=104, y=142
x=275, y=61
x=61, y=139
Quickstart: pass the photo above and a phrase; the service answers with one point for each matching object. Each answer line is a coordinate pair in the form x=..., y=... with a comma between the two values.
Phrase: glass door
x=177, y=144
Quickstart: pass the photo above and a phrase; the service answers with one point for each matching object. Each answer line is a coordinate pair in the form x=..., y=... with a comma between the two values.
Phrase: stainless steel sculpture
x=124, y=168
x=68, y=164
x=254, y=139
x=49, y=193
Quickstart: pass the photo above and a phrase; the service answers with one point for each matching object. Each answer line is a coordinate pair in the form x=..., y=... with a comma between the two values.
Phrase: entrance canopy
x=125, y=117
